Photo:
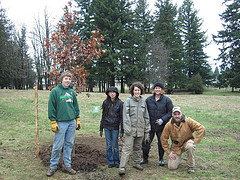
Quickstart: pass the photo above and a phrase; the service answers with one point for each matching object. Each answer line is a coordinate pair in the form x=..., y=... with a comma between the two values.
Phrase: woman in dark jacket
x=160, y=111
x=111, y=120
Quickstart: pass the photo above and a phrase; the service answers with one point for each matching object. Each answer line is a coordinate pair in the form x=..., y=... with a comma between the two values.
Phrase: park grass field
x=217, y=155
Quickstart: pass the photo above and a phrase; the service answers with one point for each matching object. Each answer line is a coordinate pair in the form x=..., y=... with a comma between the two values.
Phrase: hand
x=147, y=138
x=101, y=133
x=78, y=124
x=172, y=155
x=159, y=122
x=121, y=135
x=54, y=126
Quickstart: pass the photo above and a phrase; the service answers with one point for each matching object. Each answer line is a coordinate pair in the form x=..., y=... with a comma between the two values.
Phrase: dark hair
x=108, y=100
x=138, y=85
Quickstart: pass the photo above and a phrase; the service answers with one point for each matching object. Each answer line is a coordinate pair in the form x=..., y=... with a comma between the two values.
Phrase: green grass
x=217, y=155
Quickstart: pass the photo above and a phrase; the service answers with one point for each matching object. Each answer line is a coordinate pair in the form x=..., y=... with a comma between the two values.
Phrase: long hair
x=108, y=102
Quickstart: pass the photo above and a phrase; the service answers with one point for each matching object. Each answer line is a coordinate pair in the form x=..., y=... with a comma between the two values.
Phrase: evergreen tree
x=5, y=30
x=229, y=38
x=166, y=28
x=114, y=19
x=142, y=28
x=194, y=41
x=197, y=84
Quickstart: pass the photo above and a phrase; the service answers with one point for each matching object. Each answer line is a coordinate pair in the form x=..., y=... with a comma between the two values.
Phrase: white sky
x=24, y=12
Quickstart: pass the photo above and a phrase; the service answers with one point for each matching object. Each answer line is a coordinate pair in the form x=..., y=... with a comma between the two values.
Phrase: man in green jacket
x=180, y=129
x=63, y=111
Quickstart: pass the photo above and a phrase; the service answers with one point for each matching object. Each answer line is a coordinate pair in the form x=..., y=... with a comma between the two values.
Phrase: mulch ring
x=88, y=154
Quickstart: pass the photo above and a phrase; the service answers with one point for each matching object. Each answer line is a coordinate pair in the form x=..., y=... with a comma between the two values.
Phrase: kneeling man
x=180, y=129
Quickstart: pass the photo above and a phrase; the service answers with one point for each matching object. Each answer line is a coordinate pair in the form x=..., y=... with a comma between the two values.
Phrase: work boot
x=138, y=167
x=161, y=163
x=191, y=170
x=144, y=161
x=69, y=170
x=121, y=171
x=51, y=172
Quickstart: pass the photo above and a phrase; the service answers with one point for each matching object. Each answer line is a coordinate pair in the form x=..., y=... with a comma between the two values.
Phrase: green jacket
x=62, y=104
x=135, y=117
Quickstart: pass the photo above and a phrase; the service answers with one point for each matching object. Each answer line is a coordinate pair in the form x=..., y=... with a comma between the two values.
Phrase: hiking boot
x=69, y=170
x=191, y=170
x=144, y=161
x=138, y=167
x=161, y=163
x=121, y=171
x=51, y=172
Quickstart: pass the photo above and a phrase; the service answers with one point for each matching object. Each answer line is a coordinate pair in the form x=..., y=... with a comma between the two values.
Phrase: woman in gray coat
x=136, y=125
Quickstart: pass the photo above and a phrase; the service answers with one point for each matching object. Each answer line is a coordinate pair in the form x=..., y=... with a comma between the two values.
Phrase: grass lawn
x=217, y=155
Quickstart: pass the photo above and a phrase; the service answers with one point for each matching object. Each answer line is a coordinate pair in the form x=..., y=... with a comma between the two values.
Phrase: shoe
x=51, y=172
x=191, y=170
x=110, y=165
x=144, y=161
x=116, y=165
x=69, y=170
x=138, y=167
x=161, y=163
x=121, y=171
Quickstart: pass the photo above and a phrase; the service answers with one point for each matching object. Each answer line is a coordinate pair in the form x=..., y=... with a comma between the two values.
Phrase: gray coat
x=135, y=117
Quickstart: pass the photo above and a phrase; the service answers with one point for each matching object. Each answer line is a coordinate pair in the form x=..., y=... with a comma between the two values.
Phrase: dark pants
x=146, y=147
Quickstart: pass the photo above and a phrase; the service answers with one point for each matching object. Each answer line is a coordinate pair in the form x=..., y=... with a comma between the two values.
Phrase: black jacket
x=162, y=109
x=112, y=115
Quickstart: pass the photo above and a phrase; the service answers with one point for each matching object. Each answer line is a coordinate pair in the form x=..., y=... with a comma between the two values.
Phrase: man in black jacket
x=160, y=111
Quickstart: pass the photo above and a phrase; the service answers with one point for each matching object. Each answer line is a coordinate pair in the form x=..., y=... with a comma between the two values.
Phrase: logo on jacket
x=67, y=98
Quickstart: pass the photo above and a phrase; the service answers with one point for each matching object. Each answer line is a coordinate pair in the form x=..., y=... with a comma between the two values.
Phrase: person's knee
x=172, y=166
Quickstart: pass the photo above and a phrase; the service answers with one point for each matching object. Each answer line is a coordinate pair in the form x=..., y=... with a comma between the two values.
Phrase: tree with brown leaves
x=69, y=52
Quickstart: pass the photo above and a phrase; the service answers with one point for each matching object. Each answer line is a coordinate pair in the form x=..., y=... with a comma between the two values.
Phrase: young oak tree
x=69, y=52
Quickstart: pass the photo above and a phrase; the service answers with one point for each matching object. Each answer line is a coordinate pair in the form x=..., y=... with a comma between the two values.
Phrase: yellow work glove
x=78, y=124
x=54, y=126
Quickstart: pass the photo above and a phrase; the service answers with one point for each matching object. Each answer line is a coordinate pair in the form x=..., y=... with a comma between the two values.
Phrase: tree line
x=165, y=45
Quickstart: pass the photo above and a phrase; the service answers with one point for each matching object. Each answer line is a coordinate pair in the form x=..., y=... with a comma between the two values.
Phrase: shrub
x=197, y=84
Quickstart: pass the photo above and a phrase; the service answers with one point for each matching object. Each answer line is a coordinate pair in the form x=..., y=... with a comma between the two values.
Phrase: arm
x=200, y=129
x=103, y=112
x=147, y=119
x=52, y=106
x=75, y=105
x=169, y=107
x=126, y=117
x=121, y=117
x=164, y=139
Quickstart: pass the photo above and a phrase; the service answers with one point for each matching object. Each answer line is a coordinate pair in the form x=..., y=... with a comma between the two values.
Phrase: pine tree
x=194, y=41
x=114, y=19
x=229, y=39
x=166, y=28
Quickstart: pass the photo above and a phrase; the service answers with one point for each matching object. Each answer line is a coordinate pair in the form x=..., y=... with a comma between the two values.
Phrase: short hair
x=65, y=73
x=138, y=85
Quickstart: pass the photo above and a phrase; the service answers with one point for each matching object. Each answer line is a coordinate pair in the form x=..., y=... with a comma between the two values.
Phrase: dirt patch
x=89, y=153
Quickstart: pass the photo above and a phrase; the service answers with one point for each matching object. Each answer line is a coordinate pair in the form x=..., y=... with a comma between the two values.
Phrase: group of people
x=136, y=119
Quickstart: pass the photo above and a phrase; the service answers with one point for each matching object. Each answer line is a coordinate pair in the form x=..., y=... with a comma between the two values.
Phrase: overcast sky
x=24, y=12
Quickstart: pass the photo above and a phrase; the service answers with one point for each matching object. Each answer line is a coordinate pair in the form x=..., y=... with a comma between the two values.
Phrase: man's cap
x=176, y=109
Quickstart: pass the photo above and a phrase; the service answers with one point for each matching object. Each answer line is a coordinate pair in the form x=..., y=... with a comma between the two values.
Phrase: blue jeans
x=65, y=135
x=112, y=146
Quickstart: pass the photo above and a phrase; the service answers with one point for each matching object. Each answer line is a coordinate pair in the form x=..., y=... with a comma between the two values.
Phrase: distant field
x=217, y=156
